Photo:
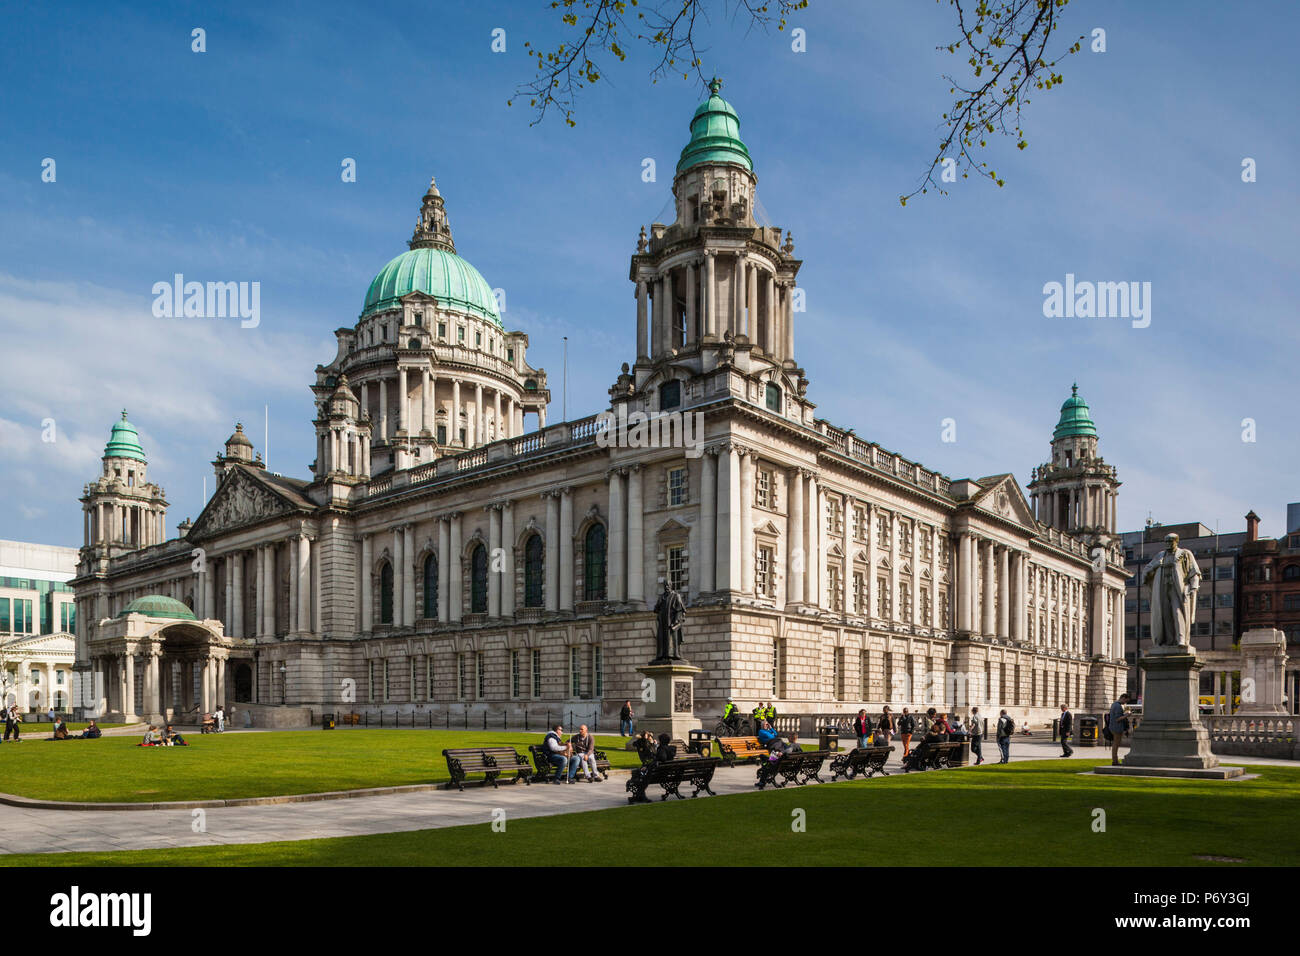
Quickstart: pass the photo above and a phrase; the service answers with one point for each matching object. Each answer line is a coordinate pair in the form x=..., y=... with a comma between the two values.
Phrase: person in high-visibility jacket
x=771, y=715
x=730, y=713
x=759, y=714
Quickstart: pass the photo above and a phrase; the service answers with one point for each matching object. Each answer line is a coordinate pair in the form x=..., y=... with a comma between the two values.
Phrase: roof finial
x=1074, y=389
x=124, y=414
x=715, y=84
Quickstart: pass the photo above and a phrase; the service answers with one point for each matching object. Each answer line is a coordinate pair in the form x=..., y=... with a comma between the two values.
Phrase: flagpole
x=566, y=378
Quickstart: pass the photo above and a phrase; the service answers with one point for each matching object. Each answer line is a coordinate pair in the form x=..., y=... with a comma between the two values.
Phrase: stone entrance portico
x=156, y=662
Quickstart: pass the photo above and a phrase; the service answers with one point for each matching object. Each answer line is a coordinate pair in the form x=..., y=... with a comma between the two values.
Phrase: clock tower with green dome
x=1076, y=491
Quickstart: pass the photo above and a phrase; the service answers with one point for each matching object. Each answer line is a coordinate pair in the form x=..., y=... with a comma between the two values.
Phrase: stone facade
x=516, y=570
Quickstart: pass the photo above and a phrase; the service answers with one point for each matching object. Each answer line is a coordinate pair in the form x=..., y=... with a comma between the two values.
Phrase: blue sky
x=225, y=166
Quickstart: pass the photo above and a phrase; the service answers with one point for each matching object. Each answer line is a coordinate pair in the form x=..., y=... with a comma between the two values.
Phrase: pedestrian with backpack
x=906, y=727
x=1006, y=727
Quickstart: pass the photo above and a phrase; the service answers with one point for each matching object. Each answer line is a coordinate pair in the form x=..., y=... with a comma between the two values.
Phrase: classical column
x=444, y=569
x=728, y=553
x=292, y=615
x=690, y=304
x=552, y=575
x=455, y=586
x=403, y=401
x=1004, y=593
x=228, y=595
x=480, y=433
x=895, y=559
x=1118, y=635
x=496, y=414
x=510, y=418
x=399, y=576
x=670, y=337
x=426, y=401
x=566, y=549
x=813, y=588
x=383, y=409
x=961, y=581
x=789, y=319
x=635, y=536
x=305, y=590
x=367, y=581
x=641, y=352
x=154, y=685
x=747, y=523
x=769, y=315
x=990, y=590
x=616, y=575
x=508, y=559
x=209, y=591
x=710, y=296
x=752, y=317
x=708, y=535
x=205, y=686
x=738, y=285
x=408, y=575
x=237, y=625
x=796, y=556
x=494, y=548
x=453, y=426
x=259, y=590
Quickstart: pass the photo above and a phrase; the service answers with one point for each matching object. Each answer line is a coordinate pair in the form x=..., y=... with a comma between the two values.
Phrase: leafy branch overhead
x=610, y=27
x=1004, y=42
x=1005, y=45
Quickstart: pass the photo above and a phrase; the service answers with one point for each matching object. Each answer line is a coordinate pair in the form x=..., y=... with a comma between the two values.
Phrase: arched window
x=533, y=569
x=431, y=586
x=478, y=572
x=386, y=593
x=1291, y=573
x=413, y=344
x=593, y=564
x=773, y=397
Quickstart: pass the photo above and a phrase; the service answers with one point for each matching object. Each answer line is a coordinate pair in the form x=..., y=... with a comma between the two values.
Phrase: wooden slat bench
x=732, y=749
x=353, y=719
x=671, y=775
x=545, y=769
x=797, y=768
x=866, y=760
x=934, y=756
x=492, y=762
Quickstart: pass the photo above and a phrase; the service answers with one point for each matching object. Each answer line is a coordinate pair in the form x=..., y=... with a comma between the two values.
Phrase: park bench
x=492, y=762
x=797, y=768
x=546, y=770
x=936, y=756
x=671, y=775
x=732, y=749
x=353, y=719
x=867, y=760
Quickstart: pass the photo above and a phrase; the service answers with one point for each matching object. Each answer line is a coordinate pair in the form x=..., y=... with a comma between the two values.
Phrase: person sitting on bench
x=788, y=748
x=666, y=751
x=560, y=755
x=92, y=732
x=766, y=735
x=583, y=746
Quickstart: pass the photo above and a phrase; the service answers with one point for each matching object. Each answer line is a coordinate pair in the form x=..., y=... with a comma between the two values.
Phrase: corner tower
x=1076, y=492
x=123, y=511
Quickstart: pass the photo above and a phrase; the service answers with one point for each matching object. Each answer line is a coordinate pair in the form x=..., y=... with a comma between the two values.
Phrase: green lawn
x=226, y=766
x=1037, y=813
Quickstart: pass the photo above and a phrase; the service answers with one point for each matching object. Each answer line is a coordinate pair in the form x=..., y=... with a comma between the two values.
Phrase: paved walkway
x=52, y=831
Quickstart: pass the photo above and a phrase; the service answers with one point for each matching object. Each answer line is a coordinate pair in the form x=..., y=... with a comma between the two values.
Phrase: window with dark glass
x=386, y=593
x=478, y=572
x=670, y=395
x=431, y=586
x=773, y=397
x=533, y=569
x=593, y=564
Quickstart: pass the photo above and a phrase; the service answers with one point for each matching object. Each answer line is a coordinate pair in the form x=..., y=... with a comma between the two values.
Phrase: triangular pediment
x=239, y=501
x=1001, y=495
x=40, y=643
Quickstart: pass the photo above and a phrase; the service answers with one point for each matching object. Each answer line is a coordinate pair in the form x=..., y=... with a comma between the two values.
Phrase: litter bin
x=1089, y=729
x=828, y=738
x=699, y=742
x=326, y=721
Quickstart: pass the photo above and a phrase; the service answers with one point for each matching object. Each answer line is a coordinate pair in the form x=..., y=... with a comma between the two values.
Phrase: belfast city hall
x=450, y=552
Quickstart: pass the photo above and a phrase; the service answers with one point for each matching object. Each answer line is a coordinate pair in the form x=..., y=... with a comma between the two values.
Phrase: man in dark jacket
x=1066, y=727
x=625, y=727
x=1006, y=727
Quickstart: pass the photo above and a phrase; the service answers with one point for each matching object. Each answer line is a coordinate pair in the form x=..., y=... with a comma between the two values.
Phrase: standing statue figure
x=1174, y=578
x=670, y=612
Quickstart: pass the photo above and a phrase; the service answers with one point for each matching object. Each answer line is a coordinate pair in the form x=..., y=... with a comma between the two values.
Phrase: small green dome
x=444, y=275
x=1075, y=418
x=124, y=442
x=715, y=134
x=156, y=605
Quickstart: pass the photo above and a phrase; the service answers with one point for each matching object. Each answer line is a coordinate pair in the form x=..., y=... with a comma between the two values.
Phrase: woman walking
x=887, y=726
x=906, y=727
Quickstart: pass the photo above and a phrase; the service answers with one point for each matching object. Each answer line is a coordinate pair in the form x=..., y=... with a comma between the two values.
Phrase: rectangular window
x=905, y=537
x=480, y=677
x=442, y=434
x=514, y=674
x=58, y=677
x=537, y=672
x=837, y=674
x=370, y=682
x=22, y=616
x=833, y=586
x=478, y=339
x=859, y=524
x=859, y=593
x=428, y=676
x=763, y=573
x=4, y=616
x=67, y=617
x=676, y=487
x=462, y=676
x=442, y=330
x=834, y=515
x=927, y=543
x=884, y=534
x=925, y=605
x=598, y=669
x=884, y=605
x=763, y=489
x=387, y=684
x=776, y=668
x=905, y=602
x=460, y=333
x=36, y=676
x=575, y=673
x=677, y=568
x=510, y=355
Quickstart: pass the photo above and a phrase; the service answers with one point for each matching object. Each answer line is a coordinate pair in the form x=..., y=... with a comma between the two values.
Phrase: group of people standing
x=939, y=726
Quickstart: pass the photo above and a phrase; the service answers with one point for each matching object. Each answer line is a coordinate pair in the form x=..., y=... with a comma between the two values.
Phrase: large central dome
x=444, y=275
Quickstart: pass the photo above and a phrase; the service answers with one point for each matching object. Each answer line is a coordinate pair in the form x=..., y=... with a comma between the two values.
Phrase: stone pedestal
x=1263, y=673
x=1170, y=740
x=671, y=708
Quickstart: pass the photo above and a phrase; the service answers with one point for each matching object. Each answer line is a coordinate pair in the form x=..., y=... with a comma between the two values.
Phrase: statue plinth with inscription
x=668, y=690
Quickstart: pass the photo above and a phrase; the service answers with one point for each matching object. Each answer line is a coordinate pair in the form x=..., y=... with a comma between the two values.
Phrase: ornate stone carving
x=241, y=502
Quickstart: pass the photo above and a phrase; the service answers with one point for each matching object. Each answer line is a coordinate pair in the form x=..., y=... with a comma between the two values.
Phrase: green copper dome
x=444, y=275
x=1075, y=418
x=124, y=442
x=715, y=134
x=156, y=605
